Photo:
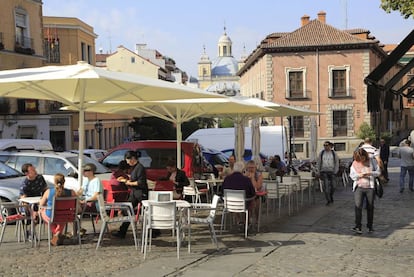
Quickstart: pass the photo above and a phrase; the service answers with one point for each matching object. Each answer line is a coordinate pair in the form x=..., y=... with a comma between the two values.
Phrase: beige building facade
x=320, y=68
x=125, y=60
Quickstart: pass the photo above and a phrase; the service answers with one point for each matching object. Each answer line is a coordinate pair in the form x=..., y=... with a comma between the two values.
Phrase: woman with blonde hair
x=47, y=200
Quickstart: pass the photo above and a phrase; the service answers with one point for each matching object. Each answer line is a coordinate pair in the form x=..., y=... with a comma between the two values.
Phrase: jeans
x=328, y=185
x=359, y=195
x=403, y=172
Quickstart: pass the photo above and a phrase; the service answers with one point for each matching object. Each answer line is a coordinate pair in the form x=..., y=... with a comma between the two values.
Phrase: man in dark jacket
x=384, y=155
x=177, y=176
x=238, y=181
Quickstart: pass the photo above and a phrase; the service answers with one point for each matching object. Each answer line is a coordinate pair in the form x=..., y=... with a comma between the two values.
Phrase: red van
x=154, y=157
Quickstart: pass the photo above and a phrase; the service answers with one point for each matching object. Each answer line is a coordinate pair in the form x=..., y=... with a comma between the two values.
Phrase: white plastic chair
x=235, y=202
x=161, y=215
x=273, y=193
x=127, y=209
x=209, y=220
x=193, y=191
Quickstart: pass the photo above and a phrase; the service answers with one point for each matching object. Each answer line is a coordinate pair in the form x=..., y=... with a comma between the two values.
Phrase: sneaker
x=357, y=230
x=401, y=190
x=370, y=230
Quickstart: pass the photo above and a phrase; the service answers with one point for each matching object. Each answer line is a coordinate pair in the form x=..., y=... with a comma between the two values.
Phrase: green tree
x=405, y=7
x=366, y=131
x=152, y=128
x=226, y=123
x=194, y=124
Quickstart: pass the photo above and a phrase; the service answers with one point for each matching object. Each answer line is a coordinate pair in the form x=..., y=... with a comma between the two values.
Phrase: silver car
x=48, y=163
x=10, y=182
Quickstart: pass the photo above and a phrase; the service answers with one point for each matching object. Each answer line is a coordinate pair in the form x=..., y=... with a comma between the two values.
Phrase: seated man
x=178, y=177
x=277, y=167
x=238, y=181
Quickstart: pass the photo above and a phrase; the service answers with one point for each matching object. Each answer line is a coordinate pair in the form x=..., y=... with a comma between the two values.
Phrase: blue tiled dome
x=224, y=66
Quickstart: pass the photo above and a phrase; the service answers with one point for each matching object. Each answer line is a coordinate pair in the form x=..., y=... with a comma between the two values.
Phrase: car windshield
x=8, y=172
x=154, y=158
x=100, y=169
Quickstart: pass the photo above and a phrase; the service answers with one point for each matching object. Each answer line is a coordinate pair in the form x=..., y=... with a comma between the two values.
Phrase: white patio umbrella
x=180, y=110
x=256, y=143
x=82, y=86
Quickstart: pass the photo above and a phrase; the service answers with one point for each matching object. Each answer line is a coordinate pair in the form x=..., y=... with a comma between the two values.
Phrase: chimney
x=305, y=19
x=322, y=16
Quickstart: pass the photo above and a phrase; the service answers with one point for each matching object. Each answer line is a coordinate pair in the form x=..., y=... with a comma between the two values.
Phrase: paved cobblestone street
x=316, y=241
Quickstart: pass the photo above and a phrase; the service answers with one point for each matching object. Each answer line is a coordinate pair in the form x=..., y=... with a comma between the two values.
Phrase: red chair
x=64, y=210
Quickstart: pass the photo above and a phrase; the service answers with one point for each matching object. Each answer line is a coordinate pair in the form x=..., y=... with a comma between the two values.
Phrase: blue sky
x=179, y=29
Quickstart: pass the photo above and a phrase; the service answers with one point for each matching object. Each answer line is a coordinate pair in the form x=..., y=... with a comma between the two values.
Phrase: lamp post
x=99, y=128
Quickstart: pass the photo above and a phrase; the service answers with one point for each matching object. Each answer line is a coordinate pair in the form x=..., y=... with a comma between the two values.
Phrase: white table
x=32, y=201
x=180, y=204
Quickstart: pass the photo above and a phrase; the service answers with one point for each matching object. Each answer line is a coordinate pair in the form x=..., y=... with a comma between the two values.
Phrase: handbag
x=379, y=190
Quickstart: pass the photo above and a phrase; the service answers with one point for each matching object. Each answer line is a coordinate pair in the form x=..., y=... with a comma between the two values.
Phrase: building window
x=298, y=129
x=22, y=32
x=52, y=48
x=28, y=106
x=83, y=51
x=132, y=59
x=295, y=83
x=89, y=57
x=339, y=81
x=340, y=123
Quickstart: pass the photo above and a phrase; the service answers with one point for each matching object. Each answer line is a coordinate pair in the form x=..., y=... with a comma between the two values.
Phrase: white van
x=25, y=144
x=273, y=139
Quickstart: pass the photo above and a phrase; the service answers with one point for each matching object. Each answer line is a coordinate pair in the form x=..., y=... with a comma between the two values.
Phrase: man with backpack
x=328, y=166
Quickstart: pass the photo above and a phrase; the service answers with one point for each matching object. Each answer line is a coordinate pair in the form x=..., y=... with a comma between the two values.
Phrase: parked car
x=96, y=154
x=10, y=182
x=49, y=163
x=154, y=155
x=25, y=144
x=247, y=155
x=216, y=158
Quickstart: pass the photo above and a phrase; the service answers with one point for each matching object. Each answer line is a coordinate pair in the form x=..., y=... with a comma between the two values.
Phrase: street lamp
x=99, y=128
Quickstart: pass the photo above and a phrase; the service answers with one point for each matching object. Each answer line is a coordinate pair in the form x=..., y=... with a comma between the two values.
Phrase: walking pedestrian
x=363, y=171
x=384, y=155
x=406, y=154
x=328, y=166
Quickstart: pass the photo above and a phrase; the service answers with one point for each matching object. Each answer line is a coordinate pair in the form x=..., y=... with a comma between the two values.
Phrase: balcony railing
x=298, y=94
x=24, y=45
x=341, y=92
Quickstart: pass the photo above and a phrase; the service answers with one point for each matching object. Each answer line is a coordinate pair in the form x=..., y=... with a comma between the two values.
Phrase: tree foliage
x=405, y=7
x=366, y=131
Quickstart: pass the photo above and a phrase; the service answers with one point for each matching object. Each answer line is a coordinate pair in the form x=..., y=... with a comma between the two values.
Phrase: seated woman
x=47, y=200
x=178, y=177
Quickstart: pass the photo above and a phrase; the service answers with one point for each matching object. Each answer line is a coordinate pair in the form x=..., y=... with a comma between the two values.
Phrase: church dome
x=225, y=39
x=224, y=66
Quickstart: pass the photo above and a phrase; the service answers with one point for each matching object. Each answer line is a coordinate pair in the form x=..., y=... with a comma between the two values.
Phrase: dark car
x=247, y=155
x=215, y=157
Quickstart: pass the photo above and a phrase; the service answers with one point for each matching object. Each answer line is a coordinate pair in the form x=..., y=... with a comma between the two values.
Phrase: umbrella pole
x=179, y=137
x=81, y=147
